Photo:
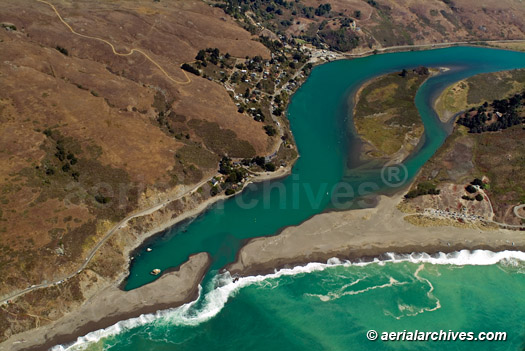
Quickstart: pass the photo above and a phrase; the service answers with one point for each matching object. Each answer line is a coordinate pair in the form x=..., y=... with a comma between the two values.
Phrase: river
x=331, y=307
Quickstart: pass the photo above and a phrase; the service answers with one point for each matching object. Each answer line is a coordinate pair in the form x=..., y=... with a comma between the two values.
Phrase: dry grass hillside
x=345, y=25
x=81, y=138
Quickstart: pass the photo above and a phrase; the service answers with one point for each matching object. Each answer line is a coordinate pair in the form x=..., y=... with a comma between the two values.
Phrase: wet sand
x=112, y=305
x=364, y=234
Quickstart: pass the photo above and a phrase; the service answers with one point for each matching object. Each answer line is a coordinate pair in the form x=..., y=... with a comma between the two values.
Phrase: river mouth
x=320, y=118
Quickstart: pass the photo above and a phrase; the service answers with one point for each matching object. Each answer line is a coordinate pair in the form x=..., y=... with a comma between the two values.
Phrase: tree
x=190, y=69
x=403, y=73
x=323, y=9
x=225, y=165
x=270, y=130
x=270, y=167
x=278, y=111
x=258, y=160
x=201, y=56
x=62, y=50
x=477, y=182
x=479, y=197
x=357, y=14
x=469, y=188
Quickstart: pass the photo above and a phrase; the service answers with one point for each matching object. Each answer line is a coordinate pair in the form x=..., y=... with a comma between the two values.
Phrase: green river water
x=330, y=307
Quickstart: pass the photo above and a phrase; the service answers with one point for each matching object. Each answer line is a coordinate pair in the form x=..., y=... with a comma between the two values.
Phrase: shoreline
x=365, y=252
x=35, y=339
x=430, y=46
x=112, y=305
x=187, y=216
x=363, y=235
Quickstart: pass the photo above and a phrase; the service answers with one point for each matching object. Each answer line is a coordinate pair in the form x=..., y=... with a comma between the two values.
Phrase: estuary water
x=332, y=306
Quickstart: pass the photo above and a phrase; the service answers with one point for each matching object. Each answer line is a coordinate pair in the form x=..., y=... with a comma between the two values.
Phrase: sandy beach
x=364, y=234
x=112, y=305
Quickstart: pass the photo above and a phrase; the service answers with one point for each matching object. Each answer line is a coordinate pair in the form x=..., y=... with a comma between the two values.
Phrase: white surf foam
x=226, y=287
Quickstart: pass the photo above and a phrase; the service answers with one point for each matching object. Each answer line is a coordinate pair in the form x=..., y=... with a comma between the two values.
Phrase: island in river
x=303, y=132
x=467, y=196
x=386, y=116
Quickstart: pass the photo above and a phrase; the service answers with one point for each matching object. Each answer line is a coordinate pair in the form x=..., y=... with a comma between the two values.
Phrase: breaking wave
x=225, y=286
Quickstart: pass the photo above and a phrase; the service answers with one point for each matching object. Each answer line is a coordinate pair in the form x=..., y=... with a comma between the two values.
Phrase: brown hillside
x=80, y=140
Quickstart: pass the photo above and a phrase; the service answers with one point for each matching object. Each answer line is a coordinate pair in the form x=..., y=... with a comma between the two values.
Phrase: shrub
x=230, y=192
x=425, y=188
x=469, y=188
x=62, y=50
x=101, y=199
x=270, y=130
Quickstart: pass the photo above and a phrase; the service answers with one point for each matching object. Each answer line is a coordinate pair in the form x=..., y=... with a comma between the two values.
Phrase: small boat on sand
x=156, y=271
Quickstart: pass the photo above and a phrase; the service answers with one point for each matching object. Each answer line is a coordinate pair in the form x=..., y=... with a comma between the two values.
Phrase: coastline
x=267, y=265
x=79, y=321
x=112, y=305
x=187, y=215
x=363, y=235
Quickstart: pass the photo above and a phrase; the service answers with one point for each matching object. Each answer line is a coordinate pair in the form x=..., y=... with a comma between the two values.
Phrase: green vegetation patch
x=424, y=188
x=501, y=156
x=386, y=112
x=494, y=86
x=479, y=89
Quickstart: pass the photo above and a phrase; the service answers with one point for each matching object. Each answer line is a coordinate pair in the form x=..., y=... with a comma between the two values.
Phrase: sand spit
x=112, y=305
x=362, y=234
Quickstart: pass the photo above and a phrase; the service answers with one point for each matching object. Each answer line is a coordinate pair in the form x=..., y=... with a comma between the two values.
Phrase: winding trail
x=131, y=52
x=516, y=211
x=156, y=207
x=102, y=241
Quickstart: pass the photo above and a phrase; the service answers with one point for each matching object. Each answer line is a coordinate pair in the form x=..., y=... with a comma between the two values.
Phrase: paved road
x=401, y=47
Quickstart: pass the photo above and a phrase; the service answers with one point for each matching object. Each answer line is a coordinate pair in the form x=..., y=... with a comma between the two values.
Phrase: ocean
x=331, y=306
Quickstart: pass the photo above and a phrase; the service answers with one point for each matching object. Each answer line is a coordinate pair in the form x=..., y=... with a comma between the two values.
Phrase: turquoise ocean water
x=331, y=307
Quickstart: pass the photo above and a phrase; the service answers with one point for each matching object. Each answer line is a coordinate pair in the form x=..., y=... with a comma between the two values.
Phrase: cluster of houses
x=463, y=215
